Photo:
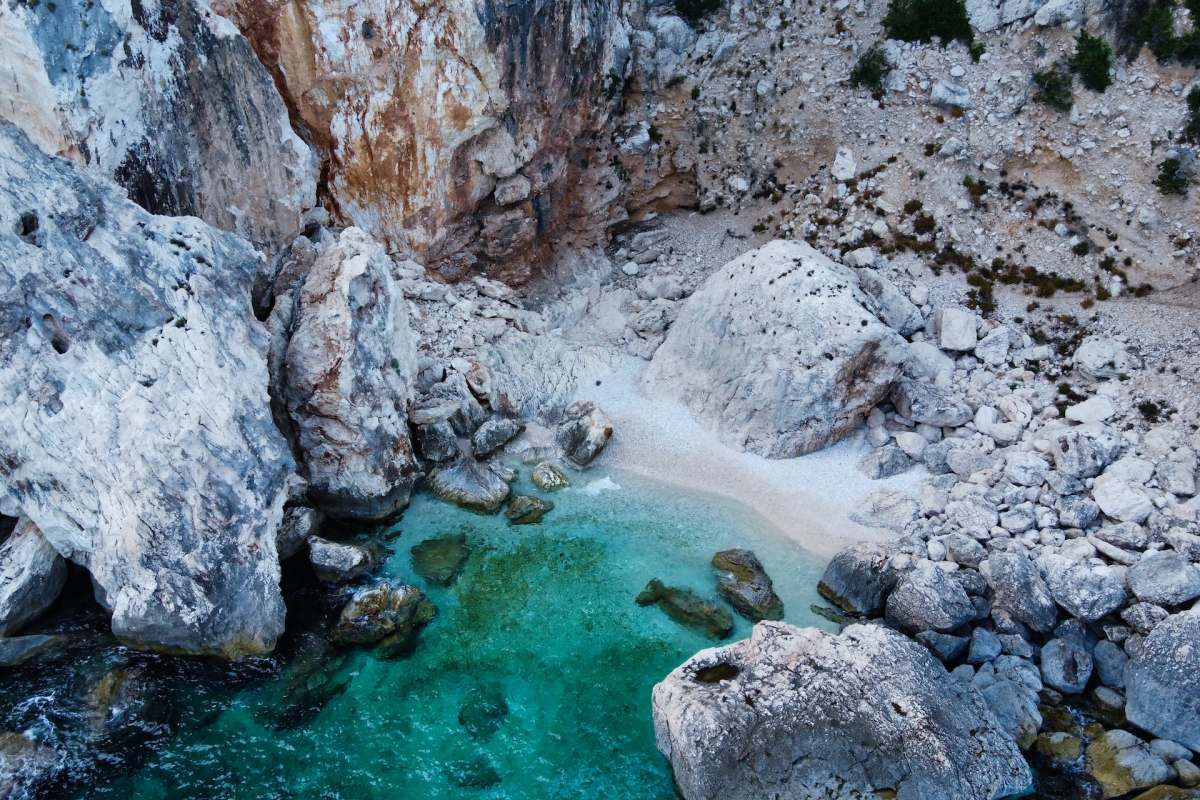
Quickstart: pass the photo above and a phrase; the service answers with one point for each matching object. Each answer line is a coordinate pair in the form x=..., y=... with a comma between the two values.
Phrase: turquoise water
x=542, y=621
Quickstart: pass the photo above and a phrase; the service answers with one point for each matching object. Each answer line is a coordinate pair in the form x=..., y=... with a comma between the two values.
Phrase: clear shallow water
x=542, y=620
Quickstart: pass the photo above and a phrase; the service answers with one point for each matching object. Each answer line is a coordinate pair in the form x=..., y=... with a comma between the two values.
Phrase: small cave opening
x=58, y=337
x=28, y=227
x=716, y=673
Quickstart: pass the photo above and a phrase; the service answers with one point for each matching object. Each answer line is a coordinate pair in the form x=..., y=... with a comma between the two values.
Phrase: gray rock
x=450, y=401
x=884, y=462
x=1127, y=535
x=790, y=309
x=745, y=585
x=549, y=477
x=470, y=484
x=857, y=579
x=583, y=432
x=964, y=550
x=856, y=714
x=494, y=434
x=384, y=614
x=1121, y=500
x=1176, y=477
x=948, y=94
x=932, y=405
x=525, y=509
x=337, y=562
x=1025, y=468
x=889, y=304
x=1066, y=665
x=18, y=650
x=927, y=599
x=299, y=523
x=1010, y=686
x=1084, y=451
x=1121, y=762
x=1165, y=578
x=437, y=442
x=1099, y=357
x=1018, y=588
x=1077, y=511
x=1110, y=663
x=350, y=371
x=985, y=647
x=135, y=422
x=1162, y=681
x=1087, y=592
x=945, y=646
x=32, y=574
x=1142, y=617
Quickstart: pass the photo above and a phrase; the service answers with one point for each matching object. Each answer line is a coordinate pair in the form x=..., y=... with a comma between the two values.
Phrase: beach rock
x=437, y=442
x=1018, y=588
x=932, y=405
x=337, y=562
x=945, y=646
x=688, y=608
x=1066, y=666
x=1121, y=500
x=1162, y=681
x=1087, y=592
x=1110, y=661
x=1142, y=617
x=168, y=101
x=927, y=599
x=381, y=613
x=350, y=368
x=777, y=353
x=1077, y=511
x=1025, y=469
x=524, y=509
x=857, y=714
x=1165, y=578
x=32, y=574
x=745, y=585
x=441, y=559
x=857, y=579
x=1084, y=451
x=470, y=484
x=964, y=550
x=494, y=434
x=985, y=647
x=583, y=432
x=135, y=425
x=884, y=462
x=549, y=477
x=1010, y=686
x=1121, y=762
x=1100, y=357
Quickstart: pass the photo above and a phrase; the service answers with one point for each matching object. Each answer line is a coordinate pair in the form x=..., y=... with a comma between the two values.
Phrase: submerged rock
x=483, y=712
x=136, y=430
x=17, y=650
x=745, y=585
x=470, y=484
x=338, y=562
x=382, y=614
x=25, y=766
x=549, y=477
x=688, y=608
x=441, y=559
x=1121, y=762
x=476, y=773
x=524, y=509
x=32, y=574
x=583, y=432
x=800, y=713
x=349, y=374
x=777, y=353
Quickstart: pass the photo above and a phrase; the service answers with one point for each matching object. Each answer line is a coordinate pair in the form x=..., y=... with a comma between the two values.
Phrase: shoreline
x=807, y=500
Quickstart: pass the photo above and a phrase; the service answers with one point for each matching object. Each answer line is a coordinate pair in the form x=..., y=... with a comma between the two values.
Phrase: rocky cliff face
x=457, y=131
x=167, y=99
x=135, y=429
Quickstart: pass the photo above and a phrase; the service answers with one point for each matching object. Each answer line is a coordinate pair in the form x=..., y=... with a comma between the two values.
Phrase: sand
x=807, y=499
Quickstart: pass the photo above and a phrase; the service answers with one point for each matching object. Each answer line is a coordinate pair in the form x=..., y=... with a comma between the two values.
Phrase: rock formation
x=800, y=713
x=777, y=354
x=135, y=429
x=32, y=573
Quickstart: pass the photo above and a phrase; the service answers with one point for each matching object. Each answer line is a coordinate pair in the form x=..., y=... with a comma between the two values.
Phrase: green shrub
x=1172, y=178
x=1054, y=88
x=1191, y=128
x=977, y=50
x=1092, y=60
x=871, y=69
x=922, y=20
x=1155, y=28
x=695, y=10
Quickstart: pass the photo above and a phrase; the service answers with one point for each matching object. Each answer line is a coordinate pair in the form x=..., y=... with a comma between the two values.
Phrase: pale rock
x=1099, y=357
x=957, y=329
x=1094, y=409
x=32, y=574
x=844, y=166
x=1165, y=578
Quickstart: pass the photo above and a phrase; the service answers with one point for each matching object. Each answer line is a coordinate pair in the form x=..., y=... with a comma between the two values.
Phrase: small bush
x=922, y=20
x=1092, y=60
x=977, y=50
x=1054, y=88
x=1172, y=178
x=695, y=10
x=1191, y=128
x=871, y=69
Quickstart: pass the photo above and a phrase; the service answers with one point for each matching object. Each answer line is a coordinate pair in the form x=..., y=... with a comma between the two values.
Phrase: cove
x=533, y=681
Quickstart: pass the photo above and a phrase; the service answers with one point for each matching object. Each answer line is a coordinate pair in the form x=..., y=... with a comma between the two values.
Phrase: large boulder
x=1162, y=681
x=135, y=426
x=745, y=585
x=857, y=579
x=795, y=713
x=383, y=613
x=583, y=432
x=168, y=100
x=928, y=599
x=32, y=573
x=1018, y=588
x=468, y=483
x=777, y=353
x=350, y=367
x=1165, y=578
x=1085, y=591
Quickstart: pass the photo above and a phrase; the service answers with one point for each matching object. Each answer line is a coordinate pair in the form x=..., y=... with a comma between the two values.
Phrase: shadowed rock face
x=455, y=130
x=135, y=429
x=799, y=713
x=167, y=99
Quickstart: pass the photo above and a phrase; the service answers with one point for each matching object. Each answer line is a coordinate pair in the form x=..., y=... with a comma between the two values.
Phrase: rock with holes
x=350, y=370
x=778, y=353
x=800, y=713
x=32, y=573
x=135, y=426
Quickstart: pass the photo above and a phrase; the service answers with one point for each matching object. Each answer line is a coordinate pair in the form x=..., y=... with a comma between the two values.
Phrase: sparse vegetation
x=871, y=69
x=923, y=20
x=1053, y=88
x=1191, y=128
x=977, y=50
x=1172, y=177
x=1092, y=61
x=1152, y=24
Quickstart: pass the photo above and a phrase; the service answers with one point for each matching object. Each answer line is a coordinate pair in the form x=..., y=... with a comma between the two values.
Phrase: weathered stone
x=470, y=484
x=985, y=647
x=1121, y=500
x=1066, y=666
x=381, y=613
x=1010, y=686
x=1025, y=469
x=583, y=432
x=1099, y=357
x=441, y=559
x=857, y=579
x=1019, y=589
x=32, y=574
x=927, y=599
x=884, y=462
x=932, y=405
x=855, y=714
x=687, y=608
x=17, y=650
x=1121, y=762
x=1087, y=592
x=945, y=646
x=1110, y=663
x=336, y=562
x=299, y=523
x=524, y=509
x=494, y=434
x=777, y=354
x=1162, y=681
x=1083, y=452
x=549, y=477
x=745, y=585
x=1165, y=578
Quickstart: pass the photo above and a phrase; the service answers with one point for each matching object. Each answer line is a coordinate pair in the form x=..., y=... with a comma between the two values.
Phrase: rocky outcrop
x=348, y=379
x=32, y=573
x=165, y=98
x=470, y=484
x=460, y=132
x=800, y=713
x=583, y=432
x=383, y=614
x=745, y=585
x=135, y=429
x=777, y=353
